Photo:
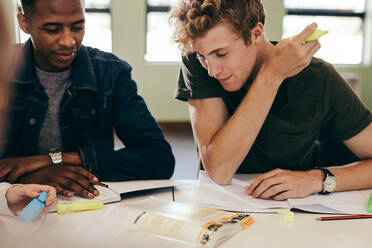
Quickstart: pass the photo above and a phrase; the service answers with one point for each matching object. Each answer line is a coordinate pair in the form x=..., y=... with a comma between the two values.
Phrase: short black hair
x=28, y=6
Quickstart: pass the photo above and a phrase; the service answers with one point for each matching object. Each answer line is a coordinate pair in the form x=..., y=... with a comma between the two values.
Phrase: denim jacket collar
x=82, y=74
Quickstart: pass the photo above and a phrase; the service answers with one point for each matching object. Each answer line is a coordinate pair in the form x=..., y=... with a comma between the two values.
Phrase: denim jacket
x=100, y=98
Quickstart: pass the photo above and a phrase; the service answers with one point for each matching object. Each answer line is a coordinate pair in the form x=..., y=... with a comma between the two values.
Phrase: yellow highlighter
x=65, y=208
x=314, y=36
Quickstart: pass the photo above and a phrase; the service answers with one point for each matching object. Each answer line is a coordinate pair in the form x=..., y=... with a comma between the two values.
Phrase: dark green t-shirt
x=317, y=99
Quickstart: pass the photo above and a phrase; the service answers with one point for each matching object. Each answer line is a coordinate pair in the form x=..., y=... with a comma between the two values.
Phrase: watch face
x=55, y=155
x=330, y=184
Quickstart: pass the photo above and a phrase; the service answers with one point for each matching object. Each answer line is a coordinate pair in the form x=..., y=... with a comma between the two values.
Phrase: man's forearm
x=231, y=144
x=71, y=158
x=147, y=161
x=353, y=177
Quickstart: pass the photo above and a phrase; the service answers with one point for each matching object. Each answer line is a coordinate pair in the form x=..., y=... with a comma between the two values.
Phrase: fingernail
x=96, y=192
x=246, y=191
x=95, y=179
x=90, y=195
x=70, y=194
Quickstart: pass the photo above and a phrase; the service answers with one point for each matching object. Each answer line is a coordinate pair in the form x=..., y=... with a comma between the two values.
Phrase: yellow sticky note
x=64, y=208
x=314, y=36
x=286, y=215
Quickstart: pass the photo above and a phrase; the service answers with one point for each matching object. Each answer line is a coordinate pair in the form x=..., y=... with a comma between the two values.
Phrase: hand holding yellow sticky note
x=314, y=36
x=64, y=208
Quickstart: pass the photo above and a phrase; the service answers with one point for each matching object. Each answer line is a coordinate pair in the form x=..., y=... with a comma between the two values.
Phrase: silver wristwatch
x=329, y=182
x=56, y=156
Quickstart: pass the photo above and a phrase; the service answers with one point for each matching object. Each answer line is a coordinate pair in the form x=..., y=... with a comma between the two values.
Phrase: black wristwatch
x=56, y=156
x=329, y=182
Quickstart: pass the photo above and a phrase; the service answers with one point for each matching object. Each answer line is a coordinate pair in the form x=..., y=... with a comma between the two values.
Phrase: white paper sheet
x=232, y=198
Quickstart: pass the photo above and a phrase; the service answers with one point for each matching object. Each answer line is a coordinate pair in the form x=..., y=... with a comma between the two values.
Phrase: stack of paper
x=232, y=198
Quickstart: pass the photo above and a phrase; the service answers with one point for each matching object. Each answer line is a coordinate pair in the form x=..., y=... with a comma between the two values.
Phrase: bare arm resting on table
x=224, y=142
x=283, y=184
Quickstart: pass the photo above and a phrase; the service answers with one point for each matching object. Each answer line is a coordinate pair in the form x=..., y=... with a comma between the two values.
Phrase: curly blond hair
x=193, y=18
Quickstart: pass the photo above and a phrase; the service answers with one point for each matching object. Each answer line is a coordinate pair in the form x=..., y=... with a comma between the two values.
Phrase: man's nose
x=67, y=39
x=213, y=69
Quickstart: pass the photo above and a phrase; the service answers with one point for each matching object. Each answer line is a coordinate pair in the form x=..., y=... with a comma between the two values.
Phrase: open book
x=232, y=198
x=154, y=223
x=117, y=189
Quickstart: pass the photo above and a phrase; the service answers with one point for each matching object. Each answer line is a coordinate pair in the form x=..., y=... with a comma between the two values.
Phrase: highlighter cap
x=33, y=208
x=43, y=196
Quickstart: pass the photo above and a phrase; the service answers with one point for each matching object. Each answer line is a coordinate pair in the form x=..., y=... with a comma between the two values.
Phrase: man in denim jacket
x=66, y=101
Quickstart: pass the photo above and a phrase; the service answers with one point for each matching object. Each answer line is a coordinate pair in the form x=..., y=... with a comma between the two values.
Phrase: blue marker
x=33, y=208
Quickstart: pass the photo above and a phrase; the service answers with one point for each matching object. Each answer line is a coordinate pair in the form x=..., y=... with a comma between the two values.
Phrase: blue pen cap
x=33, y=208
x=43, y=196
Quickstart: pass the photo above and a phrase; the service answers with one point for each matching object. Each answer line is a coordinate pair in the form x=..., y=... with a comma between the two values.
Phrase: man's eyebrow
x=60, y=24
x=78, y=22
x=51, y=24
x=214, y=51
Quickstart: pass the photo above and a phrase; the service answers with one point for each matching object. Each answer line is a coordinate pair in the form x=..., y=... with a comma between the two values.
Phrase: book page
x=179, y=221
x=348, y=202
x=138, y=185
x=232, y=198
x=106, y=195
x=100, y=233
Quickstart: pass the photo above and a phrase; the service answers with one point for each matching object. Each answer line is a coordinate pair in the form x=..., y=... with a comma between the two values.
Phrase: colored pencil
x=99, y=184
x=344, y=217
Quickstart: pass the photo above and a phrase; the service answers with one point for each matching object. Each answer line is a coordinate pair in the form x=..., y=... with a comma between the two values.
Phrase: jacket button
x=32, y=121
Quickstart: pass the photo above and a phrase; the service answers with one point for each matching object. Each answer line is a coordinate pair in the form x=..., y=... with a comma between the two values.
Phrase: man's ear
x=23, y=23
x=258, y=31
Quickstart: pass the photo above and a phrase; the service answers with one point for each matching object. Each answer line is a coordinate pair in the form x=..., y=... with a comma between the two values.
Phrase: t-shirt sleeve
x=194, y=81
x=347, y=116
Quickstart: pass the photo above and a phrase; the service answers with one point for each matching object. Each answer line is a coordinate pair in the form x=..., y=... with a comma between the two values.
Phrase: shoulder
x=319, y=75
x=317, y=68
x=190, y=64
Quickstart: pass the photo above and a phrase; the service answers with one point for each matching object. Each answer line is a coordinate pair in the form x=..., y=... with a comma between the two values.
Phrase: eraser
x=369, y=206
x=33, y=208
x=314, y=36
x=286, y=215
x=64, y=208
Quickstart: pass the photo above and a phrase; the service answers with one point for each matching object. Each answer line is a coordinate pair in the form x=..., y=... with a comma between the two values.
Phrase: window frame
x=335, y=13
x=294, y=12
x=87, y=10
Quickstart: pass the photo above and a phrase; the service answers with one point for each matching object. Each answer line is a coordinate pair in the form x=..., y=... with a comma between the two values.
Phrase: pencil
x=346, y=217
x=99, y=184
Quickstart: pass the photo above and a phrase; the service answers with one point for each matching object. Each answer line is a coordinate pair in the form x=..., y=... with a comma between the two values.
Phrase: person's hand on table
x=18, y=196
x=66, y=179
x=12, y=168
x=282, y=184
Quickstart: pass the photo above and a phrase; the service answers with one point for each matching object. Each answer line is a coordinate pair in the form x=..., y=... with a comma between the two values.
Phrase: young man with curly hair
x=259, y=107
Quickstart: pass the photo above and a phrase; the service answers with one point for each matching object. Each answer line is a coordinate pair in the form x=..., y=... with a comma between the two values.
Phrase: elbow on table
x=164, y=168
x=221, y=178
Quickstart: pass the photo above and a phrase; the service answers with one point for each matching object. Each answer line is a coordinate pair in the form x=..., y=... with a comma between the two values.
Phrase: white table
x=267, y=231
x=270, y=231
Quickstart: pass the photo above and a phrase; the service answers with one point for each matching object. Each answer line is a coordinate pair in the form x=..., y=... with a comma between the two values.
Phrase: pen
x=99, y=184
x=346, y=217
